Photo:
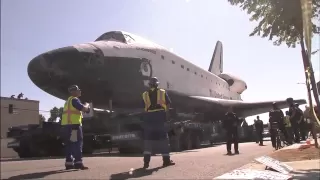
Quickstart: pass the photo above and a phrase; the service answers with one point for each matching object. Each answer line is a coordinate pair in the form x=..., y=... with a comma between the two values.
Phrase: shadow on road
x=135, y=174
x=100, y=154
x=107, y=154
x=29, y=159
x=38, y=175
x=307, y=174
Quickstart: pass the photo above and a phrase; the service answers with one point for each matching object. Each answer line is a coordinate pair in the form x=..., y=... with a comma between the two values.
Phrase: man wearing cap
x=156, y=103
x=301, y=123
x=259, y=130
x=276, y=123
x=230, y=124
x=72, y=128
x=295, y=116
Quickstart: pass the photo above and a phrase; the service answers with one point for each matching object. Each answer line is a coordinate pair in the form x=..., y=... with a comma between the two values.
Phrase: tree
x=41, y=118
x=60, y=113
x=55, y=114
x=282, y=21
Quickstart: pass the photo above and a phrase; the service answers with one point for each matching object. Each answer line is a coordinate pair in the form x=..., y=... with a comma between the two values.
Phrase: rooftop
x=16, y=99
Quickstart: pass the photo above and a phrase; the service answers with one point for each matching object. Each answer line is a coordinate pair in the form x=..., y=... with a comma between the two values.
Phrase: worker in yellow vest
x=72, y=128
x=288, y=127
x=157, y=103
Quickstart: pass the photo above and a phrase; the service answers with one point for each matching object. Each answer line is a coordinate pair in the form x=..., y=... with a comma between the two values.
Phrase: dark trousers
x=273, y=135
x=295, y=129
x=260, y=136
x=73, y=140
x=232, y=137
x=290, y=135
x=302, y=130
x=156, y=136
x=308, y=129
x=255, y=136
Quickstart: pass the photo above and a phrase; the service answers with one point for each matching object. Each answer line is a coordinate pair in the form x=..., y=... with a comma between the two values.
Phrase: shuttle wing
x=244, y=109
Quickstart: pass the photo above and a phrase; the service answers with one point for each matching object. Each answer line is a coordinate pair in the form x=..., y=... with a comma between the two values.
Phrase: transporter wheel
x=25, y=149
x=123, y=150
x=87, y=149
x=196, y=143
x=88, y=145
x=186, y=141
x=175, y=143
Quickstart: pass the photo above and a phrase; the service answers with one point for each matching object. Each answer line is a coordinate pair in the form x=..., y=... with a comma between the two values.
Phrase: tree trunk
x=307, y=63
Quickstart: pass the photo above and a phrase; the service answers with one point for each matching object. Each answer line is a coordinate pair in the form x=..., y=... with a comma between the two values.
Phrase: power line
x=28, y=109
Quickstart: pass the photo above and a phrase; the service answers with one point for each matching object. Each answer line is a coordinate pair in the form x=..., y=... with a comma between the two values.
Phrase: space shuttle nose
x=53, y=64
x=57, y=60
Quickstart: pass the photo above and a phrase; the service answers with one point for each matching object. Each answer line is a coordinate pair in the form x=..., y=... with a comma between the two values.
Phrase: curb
x=258, y=169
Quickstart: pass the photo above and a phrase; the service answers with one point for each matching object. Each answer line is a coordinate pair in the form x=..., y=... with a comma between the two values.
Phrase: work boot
x=145, y=165
x=236, y=152
x=146, y=161
x=69, y=167
x=80, y=167
x=229, y=153
x=167, y=161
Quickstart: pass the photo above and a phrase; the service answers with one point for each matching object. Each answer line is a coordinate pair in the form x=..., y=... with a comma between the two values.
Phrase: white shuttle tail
x=216, y=65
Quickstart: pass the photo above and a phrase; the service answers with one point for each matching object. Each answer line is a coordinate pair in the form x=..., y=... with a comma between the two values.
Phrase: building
x=24, y=112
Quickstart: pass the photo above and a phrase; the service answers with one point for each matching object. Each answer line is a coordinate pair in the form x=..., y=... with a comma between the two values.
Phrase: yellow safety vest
x=161, y=100
x=70, y=114
x=287, y=122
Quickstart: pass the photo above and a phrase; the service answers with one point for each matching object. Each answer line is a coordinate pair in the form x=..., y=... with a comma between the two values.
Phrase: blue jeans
x=73, y=149
x=155, y=134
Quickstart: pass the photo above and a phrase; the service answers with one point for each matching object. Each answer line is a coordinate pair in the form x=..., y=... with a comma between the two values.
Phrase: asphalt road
x=205, y=163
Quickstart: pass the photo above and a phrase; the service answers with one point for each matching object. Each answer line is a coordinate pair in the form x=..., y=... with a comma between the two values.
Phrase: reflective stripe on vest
x=69, y=110
x=161, y=100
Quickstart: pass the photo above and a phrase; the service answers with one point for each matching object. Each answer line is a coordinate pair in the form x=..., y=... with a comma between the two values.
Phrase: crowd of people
x=156, y=104
x=295, y=125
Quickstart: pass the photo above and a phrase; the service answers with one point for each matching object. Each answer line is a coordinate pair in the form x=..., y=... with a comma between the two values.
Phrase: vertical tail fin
x=216, y=65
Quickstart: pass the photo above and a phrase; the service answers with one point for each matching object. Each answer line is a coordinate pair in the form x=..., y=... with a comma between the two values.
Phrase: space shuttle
x=117, y=66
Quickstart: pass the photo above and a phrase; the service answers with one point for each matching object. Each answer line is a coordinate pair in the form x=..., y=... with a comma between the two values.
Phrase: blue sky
x=191, y=28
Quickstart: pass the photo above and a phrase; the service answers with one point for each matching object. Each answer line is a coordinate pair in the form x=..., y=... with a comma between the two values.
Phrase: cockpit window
x=116, y=36
x=128, y=38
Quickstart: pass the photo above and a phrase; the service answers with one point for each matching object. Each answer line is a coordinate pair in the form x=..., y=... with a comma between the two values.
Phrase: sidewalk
x=302, y=157
x=308, y=169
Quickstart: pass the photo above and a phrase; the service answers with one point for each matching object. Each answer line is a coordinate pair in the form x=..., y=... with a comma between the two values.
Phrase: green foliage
x=55, y=113
x=278, y=19
x=41, y=118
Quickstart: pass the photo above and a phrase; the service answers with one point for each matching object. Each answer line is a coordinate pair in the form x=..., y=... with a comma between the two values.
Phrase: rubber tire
x=24, y=150
x=88, y=150
x=124, y=150
x=186, y=142
x=196, y=143
x=175, y=144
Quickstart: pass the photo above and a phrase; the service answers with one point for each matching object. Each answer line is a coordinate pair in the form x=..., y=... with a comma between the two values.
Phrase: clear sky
x=190, y=28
